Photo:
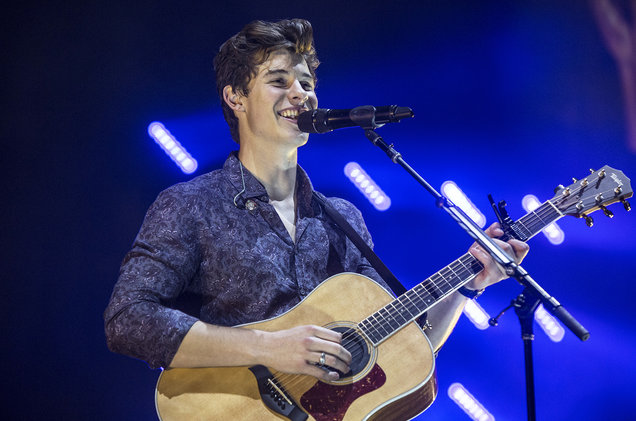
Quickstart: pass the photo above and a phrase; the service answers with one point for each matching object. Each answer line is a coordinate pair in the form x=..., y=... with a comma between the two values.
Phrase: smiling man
x=250, y=241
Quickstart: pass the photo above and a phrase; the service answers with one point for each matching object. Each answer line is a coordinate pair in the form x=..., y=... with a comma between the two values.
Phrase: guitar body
x=396, y=383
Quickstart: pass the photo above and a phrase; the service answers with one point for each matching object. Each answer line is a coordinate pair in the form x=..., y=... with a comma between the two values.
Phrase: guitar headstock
x=596, y=191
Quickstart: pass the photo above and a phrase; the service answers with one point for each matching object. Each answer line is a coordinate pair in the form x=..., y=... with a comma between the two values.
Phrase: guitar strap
x=364, y=248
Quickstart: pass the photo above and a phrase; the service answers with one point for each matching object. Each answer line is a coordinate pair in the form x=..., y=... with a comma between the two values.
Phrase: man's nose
x=297, y=94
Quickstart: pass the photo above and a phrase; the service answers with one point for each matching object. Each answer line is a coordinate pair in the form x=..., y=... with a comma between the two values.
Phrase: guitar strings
x=546, y=211
x=289, y=381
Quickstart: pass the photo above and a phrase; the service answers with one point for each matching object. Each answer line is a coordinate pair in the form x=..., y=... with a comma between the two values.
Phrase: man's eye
x=308, y=86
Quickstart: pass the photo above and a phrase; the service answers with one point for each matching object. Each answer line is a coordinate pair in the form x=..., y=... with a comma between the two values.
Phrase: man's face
x=282, y=88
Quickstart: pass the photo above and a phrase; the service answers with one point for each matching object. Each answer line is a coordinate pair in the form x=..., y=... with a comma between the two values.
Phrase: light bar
x=467, y=402
x=554, y=234
x=172, y=147
x=549, y=324
x=476, y=314
x=367, y=186
x=457, y=196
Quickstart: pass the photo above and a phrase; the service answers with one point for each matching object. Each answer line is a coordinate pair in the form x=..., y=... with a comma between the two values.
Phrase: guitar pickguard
x=326, y=402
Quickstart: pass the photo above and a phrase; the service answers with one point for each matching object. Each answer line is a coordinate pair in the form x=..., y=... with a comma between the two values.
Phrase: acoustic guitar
x=392, y=374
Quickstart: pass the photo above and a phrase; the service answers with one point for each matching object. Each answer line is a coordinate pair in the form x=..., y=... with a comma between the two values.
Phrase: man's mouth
x=290, y=113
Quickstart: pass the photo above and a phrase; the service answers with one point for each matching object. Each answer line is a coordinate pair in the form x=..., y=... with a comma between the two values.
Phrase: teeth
x=289, y=113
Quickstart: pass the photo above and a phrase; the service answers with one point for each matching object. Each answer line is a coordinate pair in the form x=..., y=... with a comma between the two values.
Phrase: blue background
x=510, y=98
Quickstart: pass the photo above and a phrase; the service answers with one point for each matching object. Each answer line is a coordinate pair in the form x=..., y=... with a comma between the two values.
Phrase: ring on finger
x=323, y=358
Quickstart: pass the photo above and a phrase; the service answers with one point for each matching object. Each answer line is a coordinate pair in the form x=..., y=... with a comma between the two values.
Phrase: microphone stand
x=532, y=295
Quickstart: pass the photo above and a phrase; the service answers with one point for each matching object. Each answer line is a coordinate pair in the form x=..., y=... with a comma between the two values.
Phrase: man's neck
x=274, y=168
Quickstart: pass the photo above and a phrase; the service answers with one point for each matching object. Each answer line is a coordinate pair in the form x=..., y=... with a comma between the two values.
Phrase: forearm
x=443, y=317
x=296, y=350
x=207, y=345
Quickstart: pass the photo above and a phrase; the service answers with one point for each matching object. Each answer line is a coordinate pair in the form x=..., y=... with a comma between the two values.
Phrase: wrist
x=260, y=352
x=470, y=293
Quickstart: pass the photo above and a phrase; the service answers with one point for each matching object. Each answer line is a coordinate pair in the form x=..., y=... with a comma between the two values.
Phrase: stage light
x=172, y=147
x=367, y=186
x=549, y=324
x=553, y=232
x=457, y=196
x=476, y=314
x=467, y=402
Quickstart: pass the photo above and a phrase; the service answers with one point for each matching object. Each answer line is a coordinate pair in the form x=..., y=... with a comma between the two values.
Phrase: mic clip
x=364, y=116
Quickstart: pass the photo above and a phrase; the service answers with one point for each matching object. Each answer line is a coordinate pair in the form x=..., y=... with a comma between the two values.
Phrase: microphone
x=323, y=120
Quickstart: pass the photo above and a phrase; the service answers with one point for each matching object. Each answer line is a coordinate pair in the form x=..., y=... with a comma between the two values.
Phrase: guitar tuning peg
x=591, y=171
x=588, y=220
x=626, y=205
x=559, y=188
x=607, y=212
x=574, y=180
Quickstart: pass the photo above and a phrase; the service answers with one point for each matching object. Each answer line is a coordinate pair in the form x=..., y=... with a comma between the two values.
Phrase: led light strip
x=549, y=324
x=172, y=147
x=457, y=196
x=467, y=402
x=367, y=186
x=476, y=314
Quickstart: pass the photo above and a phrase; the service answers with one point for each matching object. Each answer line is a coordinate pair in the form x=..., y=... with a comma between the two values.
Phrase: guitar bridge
x=274, y=395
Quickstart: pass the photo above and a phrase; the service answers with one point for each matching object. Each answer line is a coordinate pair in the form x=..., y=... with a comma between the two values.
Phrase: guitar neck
x=415, y=302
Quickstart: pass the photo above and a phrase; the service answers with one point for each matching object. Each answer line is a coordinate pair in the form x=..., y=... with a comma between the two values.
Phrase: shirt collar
x=255, y=190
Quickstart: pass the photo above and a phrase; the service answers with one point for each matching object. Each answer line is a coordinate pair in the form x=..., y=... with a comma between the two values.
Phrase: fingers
x=330, y=361
x=520, y=249
x=329, y=341
x=494, y=230
x=299, y=350
x=321, y=373
x=515, y=248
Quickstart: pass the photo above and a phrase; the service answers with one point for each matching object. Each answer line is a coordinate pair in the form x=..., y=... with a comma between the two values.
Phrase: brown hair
x=238, y=58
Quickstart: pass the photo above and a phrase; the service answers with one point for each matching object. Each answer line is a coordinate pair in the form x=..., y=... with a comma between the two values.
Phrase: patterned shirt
x=214, y=249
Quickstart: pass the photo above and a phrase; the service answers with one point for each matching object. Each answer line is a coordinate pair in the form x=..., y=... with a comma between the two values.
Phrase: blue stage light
x=549, y=324
x=367, y=186
x=476, y=314
x=554, y=234
x=172, y=147
x=451, y=191
x=467, y=402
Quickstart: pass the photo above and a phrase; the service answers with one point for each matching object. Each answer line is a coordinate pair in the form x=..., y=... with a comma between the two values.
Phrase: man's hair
x=239, y=57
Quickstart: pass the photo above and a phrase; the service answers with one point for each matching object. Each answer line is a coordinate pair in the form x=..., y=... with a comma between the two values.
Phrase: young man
x=248, y=242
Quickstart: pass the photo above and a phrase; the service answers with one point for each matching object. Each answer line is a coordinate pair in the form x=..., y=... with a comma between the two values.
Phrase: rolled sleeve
x=139, y=320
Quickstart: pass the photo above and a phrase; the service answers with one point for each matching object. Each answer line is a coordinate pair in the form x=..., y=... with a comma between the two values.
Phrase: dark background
x=510, y=98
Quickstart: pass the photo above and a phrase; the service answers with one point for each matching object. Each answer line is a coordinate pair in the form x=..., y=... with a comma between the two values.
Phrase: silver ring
x=322, y=358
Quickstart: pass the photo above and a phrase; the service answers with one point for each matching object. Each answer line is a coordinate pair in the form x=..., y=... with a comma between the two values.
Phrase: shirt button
x=250, y=205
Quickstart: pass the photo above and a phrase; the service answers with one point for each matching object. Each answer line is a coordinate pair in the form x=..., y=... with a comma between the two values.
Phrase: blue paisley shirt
x=214, y=249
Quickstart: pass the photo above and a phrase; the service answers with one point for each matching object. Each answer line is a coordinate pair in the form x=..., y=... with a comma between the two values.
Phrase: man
x=248, y=242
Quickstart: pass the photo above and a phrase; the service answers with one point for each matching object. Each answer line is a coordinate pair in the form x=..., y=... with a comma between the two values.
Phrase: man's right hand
x=299, y=350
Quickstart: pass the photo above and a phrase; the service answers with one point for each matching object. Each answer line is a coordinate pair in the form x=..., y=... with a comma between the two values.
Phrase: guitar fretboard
x=415, y=302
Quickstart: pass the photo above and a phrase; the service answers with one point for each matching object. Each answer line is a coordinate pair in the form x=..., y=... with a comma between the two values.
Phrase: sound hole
x=353, y=342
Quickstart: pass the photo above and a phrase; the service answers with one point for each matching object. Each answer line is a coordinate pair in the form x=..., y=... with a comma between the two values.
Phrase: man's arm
x=295, y=350
x=443, y=317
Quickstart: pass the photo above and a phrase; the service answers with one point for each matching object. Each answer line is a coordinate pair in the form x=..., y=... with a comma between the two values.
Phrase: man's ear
x=233, y=99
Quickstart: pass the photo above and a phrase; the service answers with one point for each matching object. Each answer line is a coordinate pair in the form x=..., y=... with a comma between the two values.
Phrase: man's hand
x=492, y=272
x=299, y=351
